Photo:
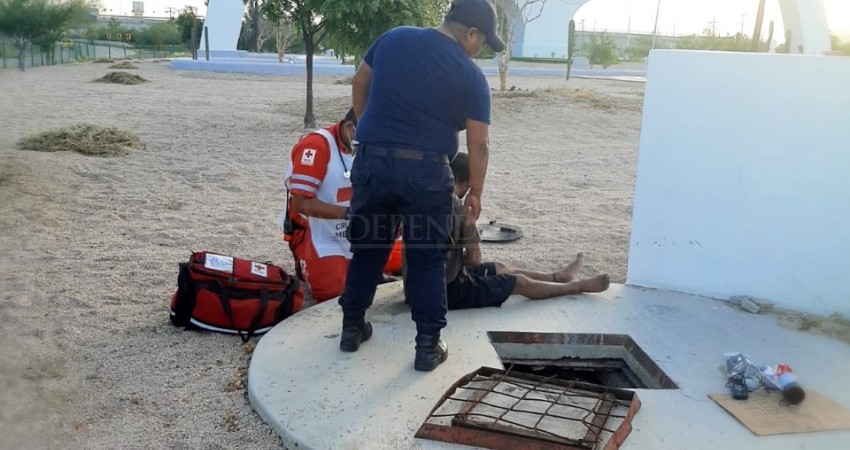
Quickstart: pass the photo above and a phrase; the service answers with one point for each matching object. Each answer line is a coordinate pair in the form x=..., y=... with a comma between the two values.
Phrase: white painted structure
x=317, y=397
x=806, y=20
x=743, y=179
x=224, y=22
x=547, y=36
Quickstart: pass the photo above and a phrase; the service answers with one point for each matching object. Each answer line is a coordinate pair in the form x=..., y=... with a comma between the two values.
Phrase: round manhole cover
x=494, y=231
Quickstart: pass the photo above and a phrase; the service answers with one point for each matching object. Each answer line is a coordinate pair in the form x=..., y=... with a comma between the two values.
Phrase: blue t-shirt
x=424, y=87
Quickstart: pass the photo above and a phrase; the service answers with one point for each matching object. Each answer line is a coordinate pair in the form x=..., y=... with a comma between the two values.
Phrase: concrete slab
x=317, y=397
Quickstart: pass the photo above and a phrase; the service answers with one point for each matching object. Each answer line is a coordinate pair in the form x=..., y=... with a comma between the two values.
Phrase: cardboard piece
x=765, y=414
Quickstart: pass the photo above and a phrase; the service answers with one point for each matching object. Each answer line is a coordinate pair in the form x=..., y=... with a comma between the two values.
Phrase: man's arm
x=360, y=88
x=477, y=144
x=470, y=240
x=313, y=207
x=472, y=255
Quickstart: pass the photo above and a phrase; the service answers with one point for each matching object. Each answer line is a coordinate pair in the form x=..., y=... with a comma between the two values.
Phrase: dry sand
x=88, y=358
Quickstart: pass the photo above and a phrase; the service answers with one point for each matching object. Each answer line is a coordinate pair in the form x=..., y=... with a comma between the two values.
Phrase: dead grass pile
x=346, y=80
x=104, y=61
x=121, y=78
x=123, y=65
x=86, y=139
x=593, y=98
x=598, y=100
x=516, y=93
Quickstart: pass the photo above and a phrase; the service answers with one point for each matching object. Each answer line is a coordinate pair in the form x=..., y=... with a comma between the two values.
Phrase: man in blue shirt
x=415, y=90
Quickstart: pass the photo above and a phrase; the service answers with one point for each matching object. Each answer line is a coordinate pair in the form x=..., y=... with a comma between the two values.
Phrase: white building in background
x=148, y=8
x=546, y=37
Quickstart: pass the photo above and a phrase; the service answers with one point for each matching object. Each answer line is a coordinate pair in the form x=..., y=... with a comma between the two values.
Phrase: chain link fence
x=71, y=50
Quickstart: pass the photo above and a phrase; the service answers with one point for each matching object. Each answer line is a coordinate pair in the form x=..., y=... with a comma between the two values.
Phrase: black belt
x=403, y=153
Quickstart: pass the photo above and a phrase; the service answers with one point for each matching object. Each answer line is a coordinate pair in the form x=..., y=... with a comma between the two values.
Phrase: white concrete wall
x=547, y=35
x=224, y=21
x=806, y=19
x=743, y=178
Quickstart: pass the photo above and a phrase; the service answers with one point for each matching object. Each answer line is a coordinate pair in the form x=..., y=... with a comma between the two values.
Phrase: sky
x=684, y=17
x=681, y=17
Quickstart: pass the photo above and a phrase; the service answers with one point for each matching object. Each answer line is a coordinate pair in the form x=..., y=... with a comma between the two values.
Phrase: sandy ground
x=90, y=245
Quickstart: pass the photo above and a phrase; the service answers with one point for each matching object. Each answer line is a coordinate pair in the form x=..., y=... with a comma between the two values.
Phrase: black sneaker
x=430, y=352
x=354, y=335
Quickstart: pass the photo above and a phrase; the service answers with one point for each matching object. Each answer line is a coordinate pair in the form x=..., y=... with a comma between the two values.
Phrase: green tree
x=39, y=22
x=601, y=50
x=186, y=21
x=284, y=31
x=509, y=13
x=354, y=26
x=838, y=46
x=163, y=33
x=253, y=25
x=306, y=15
x=639, y=51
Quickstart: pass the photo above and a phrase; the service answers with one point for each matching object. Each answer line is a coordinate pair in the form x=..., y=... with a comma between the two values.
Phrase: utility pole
x=582, y=35
x=756, y=42
x=655, y=29
x=170, y=12
x=713, y=25
x=739, y=46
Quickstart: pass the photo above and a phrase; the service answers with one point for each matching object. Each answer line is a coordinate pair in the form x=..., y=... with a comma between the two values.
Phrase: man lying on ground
x=473, y=284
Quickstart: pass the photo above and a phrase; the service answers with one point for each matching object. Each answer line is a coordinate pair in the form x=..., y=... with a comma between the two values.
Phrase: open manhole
x=610, y=360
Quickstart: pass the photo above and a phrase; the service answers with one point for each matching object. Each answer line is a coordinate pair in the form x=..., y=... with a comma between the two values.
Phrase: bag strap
x=224, y=299
x=255, y=322
x=186, y=290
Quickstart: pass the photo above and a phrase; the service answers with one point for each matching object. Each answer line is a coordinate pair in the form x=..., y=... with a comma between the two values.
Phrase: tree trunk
x=21, y=44
x=755, y=45
x=503, y=71
x=254, y=14
x=309, y=48
x=278, y=36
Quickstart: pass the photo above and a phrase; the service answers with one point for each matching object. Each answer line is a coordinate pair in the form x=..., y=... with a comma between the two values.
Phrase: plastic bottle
x=783, y=380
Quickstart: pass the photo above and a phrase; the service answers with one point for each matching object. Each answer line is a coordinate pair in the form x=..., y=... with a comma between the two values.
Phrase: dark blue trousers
x=416, y=195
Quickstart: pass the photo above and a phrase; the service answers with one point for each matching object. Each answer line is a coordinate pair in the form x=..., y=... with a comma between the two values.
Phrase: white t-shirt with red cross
x=317, y=170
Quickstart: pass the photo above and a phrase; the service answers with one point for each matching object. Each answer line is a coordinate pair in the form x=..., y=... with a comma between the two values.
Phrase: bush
x=601, y=50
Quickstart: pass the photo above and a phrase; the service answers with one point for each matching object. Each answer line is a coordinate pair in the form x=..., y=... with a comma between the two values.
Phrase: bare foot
x=572, y=271
x=598, y=283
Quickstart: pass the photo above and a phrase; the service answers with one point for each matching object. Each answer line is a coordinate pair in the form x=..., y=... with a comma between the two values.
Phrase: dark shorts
x=479, y=287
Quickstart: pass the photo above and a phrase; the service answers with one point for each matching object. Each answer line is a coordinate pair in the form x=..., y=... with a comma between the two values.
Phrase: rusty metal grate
x=498, y=409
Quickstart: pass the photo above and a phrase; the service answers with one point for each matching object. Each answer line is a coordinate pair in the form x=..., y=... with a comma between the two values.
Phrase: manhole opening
x=610, y=372
x=610, y=360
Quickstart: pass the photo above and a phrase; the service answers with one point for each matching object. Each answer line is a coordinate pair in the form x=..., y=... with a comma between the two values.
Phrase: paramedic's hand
x=471, y=208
